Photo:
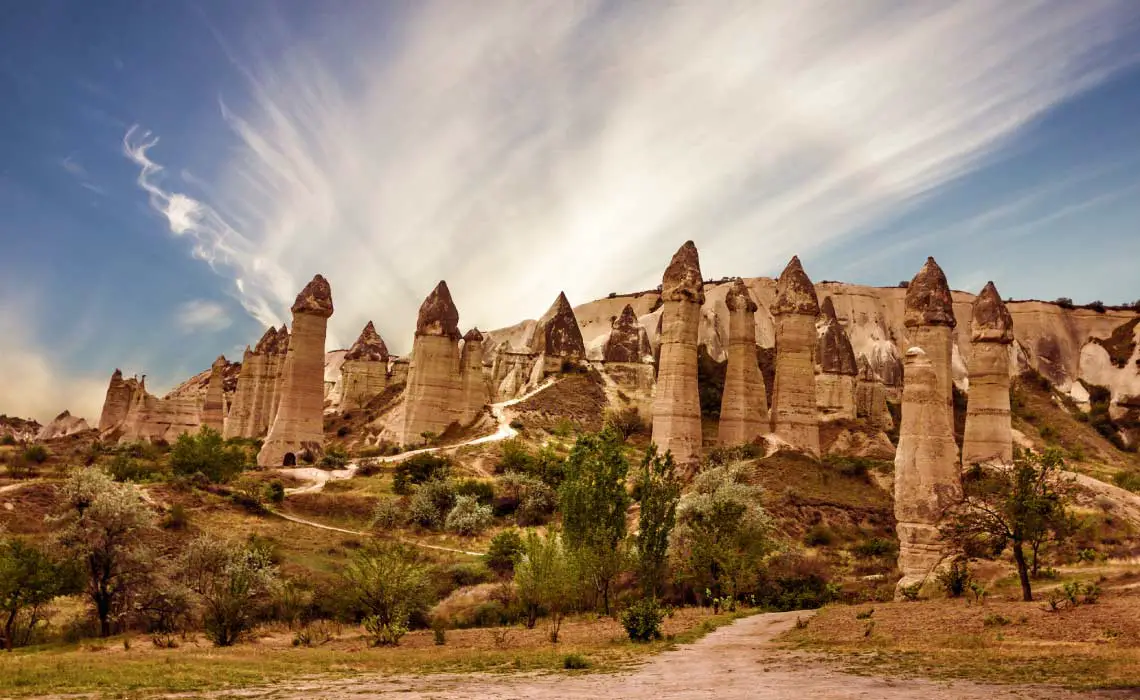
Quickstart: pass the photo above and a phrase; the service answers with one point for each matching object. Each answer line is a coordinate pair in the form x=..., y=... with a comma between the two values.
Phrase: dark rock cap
x=473, y=336
x=315, y=298
x=836, y=356
x=369, y=346
x=438, y=315
x=682, y=279
x=738, y=298
x=628, y=341
x=795, y=294
x=827, y=309
x=928, y=300
x=991, y=322
x=558, y=333
x=268, y=341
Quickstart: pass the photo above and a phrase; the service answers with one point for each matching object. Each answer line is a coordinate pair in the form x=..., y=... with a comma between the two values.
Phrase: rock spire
x=558, y=335
x=628, y=341
x=835, y=384
x=214, y=408
x=744, y=404
x=438, y=315
x=474, y=389
x=364, y=372
x=432, y=396
x=794, y=417
x=988, y=436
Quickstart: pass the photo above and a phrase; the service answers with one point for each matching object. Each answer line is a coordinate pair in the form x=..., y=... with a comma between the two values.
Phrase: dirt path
x=360, y=533
x=737, y=661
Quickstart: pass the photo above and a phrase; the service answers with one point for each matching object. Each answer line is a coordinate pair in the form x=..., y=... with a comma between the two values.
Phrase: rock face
x=298, y=425
x=988, y=435
x=474, y=391
x=835, y=385
x=796, y=307
x=151, y=418
x=871, y=398
x=364, y=373
x=432, y=394
x=557, y=338
x=117, y=402
x=926, y=461
x=676, y=405
x=251, y=410
x=744, y=405
x=61, y=426
x=214, y=408
x=628, y=341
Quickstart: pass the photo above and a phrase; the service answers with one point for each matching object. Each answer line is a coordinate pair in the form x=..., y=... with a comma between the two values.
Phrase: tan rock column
x=474, y=390
x=871, y=397
x=237, y=421
x=926, y=461
x=364, y=372
x=276, y=375
x=676, y=405
x=299, y=423
x=213, y=410
x=117, y=402
x=432, y=393
x=744, y=404
x=988, y=436
x=835, y=383
x=794, y=417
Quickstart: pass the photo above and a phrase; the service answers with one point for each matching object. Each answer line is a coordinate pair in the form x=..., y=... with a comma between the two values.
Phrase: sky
x=172, y=173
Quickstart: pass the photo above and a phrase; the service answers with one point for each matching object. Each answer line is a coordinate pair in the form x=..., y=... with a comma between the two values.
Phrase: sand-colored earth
x=737, y=661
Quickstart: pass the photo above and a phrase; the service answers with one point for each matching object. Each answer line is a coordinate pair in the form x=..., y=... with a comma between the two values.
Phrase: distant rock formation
x=744, y=403
x=871, y=398
x=557, y=338
x=19, y=429
x=676, y=405
x=151, y=418
x=988, y=435
x=628, y=341
x=431, y=396
x=214, y=408
x=364, y=373
x=835, y=383
x=628, y=363
x=794, y=417
x=298, y=426
x=251, y=409
x=61, y=426
x=117, y=402
x=926, y=460
x=474, y=391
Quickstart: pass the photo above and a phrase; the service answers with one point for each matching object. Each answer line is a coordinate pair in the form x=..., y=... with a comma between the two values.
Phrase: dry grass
x=1088, y=646
x=577, y=399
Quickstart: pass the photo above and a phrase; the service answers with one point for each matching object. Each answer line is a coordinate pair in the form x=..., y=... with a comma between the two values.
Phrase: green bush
x=875, y=547
x=955, y=579
x=417, y=470
x=7, y=440
x=468, y=517
x=795, y=583
x=36, y=454
x=335, y=457
x=389, y=514
x=505, y=549
x=820, y=535
x=642, y=620
x=1127, y=480
x=275, y=492
x=575, y=662
x=208, y=454
x=431, y=503
x=124, y=468
x=481, y=491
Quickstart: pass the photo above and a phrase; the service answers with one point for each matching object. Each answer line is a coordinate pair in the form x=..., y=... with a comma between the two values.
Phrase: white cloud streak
x=200, y=315
x=519, y=148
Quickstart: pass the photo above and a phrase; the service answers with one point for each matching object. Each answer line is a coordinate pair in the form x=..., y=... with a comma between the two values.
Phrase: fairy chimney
x=676, y=405
x=298, y=426
x=835, y=383
x=364, y=372
x=988, y=436
x=557, y=338
x=794, y=417
x=628, y=341
x=474, y=389
x=433, y=388
x=214, y=407
x=744, y=405
x=117, y=403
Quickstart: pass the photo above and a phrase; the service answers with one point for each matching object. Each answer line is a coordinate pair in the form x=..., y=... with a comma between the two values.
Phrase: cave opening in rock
x=290, y=459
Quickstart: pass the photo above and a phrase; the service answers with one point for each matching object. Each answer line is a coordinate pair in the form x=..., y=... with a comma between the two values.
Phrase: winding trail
x=737, y=662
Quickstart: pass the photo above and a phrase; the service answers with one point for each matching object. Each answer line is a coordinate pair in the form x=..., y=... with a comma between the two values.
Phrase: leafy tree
x=206, y=453
x=418, y=469
x=431, y=503
x=546, y=580
x=104, y=526
x=659, y=490
x=468, y=516
x=1017, y=505
x=386, y=583
x=722, y=533
x=335, y=457
x=528, y=497
x=29, y=580
x=234, y=583
x=594, y=501
x=504, y=551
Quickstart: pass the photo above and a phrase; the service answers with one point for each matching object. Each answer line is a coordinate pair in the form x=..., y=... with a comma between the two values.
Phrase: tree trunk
x=103, y=610
x=9, y=628
x=1022, y=572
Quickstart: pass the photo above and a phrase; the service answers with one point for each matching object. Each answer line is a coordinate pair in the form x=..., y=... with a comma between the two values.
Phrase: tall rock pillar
x=299, y=424
x=433, y=388
x=214, y=407
x=926, y=460
x=988, y=435
x=677, y=404
x=474, y=389
x=364, y=372
x=744, y=404
x=794, y=417
x=835, y=383
x=120, y=395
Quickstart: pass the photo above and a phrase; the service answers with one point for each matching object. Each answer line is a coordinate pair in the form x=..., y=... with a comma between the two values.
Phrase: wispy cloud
x=513, y=149
x=201, y=315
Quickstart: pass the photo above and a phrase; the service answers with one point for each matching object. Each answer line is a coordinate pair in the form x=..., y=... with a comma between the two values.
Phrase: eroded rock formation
x=474, y=391
x=794, y=417
x=432, y=393
x=151, y=418
x=61, y=426
x=835, y=384
x=926, y=460
x=557, y=338
x=214, y=407
x=676, y=405
x=364, y=372
x=120, y=393
x=298, y=426
x=988, y=436
x=628, y=341
x=871, y=398
x=744, y=405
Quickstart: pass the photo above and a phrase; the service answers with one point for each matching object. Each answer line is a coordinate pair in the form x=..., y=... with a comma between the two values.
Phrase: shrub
x=575, y=662
x=529, y=498
x=7, y=440
x=642, y=620
x=389, y=514
x=275, y=492
x=795, y=583
x=343, y=431
x=417, y=470
x=468, y=517
x=206, y=453
x=335, y=457
x=505, y=549
x=820, y=535
x=995, y=620
x=515, y=457
x=875, y=547
x=386, y=584
x=36, y=454
x=125, y=468
x=431, y=503
x=1064, y=302
x=481, y=491
x=1127, y=480
x=234, y=582
x=176, y=519
x=955, y=579
x=517, y=424
x=627, y=421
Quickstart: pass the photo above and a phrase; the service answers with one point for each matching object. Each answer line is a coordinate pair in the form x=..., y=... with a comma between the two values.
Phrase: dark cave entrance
x=290, y=459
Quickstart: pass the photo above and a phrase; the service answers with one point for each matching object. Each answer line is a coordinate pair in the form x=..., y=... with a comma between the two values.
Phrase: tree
x=386, y=583
x=504, y=551
x=29, y=580
x=546, y=580
x=659, y=490
x=722, y=533
x=206, y=453
x=1016, y=505
x=594, y=501
x=104, y=527
x=234, y=584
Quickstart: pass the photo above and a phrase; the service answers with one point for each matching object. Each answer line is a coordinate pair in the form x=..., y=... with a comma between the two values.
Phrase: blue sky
x=172, y=173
